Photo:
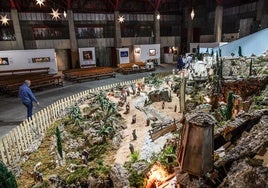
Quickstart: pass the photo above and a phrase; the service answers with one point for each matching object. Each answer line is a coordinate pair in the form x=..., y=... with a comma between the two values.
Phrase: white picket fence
x=18, y=140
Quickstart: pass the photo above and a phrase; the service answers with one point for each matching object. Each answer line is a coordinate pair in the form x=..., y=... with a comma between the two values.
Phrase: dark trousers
x=29, y=107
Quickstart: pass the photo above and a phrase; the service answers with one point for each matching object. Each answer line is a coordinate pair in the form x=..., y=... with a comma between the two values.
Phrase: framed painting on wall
x=152, y=52
x=87, y=55
x=4, y=61
x=124, y=54
x=41, y=60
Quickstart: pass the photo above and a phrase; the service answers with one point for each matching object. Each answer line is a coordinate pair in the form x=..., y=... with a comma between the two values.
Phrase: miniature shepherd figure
x=127, y=107
x=163, y=105
x=133, y=119
x=131, y=148
x=134, y=134
x=147, y=121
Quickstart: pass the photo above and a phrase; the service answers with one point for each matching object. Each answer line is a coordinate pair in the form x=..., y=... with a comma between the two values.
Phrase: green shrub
x=59, y=142
x=134, y=156
x=7, y=179
x=136, y=180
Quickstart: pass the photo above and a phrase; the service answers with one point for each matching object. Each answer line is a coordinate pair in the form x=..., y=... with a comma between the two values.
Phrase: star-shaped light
x=40, y=2
x=121, y=19
x=4, y=20
x=55, y=14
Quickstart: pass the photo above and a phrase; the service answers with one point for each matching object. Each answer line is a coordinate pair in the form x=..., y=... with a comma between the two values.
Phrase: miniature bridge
x=162, y=129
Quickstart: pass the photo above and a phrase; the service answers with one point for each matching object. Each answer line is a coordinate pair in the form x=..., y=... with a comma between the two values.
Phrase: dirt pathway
x=123, y=153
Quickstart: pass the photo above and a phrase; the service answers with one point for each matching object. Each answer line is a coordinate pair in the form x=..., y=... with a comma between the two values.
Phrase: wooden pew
x=43, y=70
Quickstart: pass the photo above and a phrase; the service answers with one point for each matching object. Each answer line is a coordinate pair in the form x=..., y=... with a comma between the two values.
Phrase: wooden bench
x=79, y=75
x=44, y=70
x=128, y=68
x=38, y=82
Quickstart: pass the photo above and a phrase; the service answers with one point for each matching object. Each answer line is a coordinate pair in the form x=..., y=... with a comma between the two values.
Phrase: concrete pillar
x=117, y=37
x=156, y=28
x=189, y=30
x=218, y=23
x=73, y=41
x=17, y=29
x=260, y=9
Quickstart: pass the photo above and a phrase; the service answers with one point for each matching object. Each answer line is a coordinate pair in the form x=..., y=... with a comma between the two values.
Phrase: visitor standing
x=180, y=63
x=27, y=97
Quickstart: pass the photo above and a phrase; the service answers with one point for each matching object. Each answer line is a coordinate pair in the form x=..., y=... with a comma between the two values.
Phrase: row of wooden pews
x=82, y=74
x=128, y=68
x=10, y=81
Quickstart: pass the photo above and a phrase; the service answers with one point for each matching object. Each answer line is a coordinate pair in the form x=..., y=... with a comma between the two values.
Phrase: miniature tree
x=59, y=142
x=230, y=104
x=239, y=51
x=227, y=112
x=8, y=180
x=212, y=52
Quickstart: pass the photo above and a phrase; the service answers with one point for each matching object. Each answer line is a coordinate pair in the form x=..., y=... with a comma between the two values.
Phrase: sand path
x=123, y=153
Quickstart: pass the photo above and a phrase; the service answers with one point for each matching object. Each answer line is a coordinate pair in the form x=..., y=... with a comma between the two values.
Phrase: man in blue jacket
x=27, y=97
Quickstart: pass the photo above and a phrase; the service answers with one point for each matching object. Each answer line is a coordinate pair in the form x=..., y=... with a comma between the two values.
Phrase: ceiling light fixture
x=64, y=14
x=40, y=2
x=192, y=14
x=55, y=14
x=121, y=19
x=158, y=16
x=4, y=20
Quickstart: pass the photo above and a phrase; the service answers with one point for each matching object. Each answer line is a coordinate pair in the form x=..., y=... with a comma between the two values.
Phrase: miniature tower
x=196, y=152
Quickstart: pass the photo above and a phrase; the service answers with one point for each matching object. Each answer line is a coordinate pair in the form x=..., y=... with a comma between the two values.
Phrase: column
x=261, y=5
x=16, y=26
x=73, y=41
x=189, y=30
x=117, y=37
x=218, y=23
x=156, y=28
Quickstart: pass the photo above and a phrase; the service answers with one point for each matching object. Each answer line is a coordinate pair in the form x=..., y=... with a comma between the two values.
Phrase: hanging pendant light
x=64, y=14
x=192, y=14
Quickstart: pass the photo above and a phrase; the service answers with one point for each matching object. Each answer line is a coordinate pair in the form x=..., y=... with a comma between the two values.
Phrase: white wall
x=23, y=59
x=87, y=57
x=146, y=52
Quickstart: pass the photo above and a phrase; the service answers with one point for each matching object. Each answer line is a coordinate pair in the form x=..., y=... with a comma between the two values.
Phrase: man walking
x=27, y=97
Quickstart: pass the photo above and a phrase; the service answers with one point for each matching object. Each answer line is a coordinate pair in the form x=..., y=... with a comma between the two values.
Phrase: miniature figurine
x=133, y=119
x=147, y=121
x=134, y=134
x=131, y=148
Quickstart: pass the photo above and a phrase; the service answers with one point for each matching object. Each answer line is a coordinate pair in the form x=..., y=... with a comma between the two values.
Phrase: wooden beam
x=12, y=4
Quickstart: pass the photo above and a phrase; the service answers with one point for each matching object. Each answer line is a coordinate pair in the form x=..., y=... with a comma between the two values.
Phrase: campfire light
x=156, y=176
